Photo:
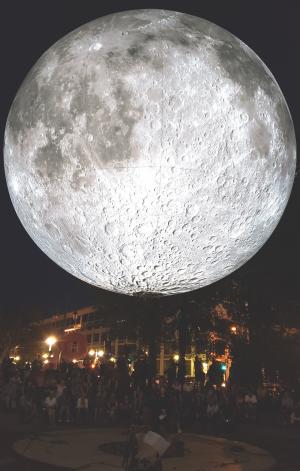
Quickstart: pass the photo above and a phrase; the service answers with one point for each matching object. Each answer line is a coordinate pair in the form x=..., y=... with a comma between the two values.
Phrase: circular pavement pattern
x=81, y=449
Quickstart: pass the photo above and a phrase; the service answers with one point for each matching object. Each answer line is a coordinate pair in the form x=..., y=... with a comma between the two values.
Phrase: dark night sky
x=31, y=280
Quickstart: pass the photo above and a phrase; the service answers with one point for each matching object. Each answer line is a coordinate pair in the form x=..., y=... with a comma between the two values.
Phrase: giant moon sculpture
x=149, y=151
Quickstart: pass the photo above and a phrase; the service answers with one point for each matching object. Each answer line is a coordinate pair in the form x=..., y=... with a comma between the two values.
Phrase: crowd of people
x=108, y=394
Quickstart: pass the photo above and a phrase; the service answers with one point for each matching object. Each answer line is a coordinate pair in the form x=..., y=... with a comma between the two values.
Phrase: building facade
x=83, y=331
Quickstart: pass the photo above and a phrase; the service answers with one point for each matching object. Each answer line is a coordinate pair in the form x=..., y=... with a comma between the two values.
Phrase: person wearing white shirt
x=82, y=408
x=250, y=401
x=50, y=403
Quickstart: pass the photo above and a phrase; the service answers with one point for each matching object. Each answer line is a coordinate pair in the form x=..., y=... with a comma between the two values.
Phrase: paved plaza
x=79, y=450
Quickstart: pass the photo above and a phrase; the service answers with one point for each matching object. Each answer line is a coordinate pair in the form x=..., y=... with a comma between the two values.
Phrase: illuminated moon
x=149, y=151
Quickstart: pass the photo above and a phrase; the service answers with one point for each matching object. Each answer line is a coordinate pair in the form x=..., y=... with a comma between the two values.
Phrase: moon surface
x=149, y=151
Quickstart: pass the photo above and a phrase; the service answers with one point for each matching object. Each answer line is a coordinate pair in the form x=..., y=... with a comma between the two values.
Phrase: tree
x=246, y=364
x=143, y=321
x=15, y=328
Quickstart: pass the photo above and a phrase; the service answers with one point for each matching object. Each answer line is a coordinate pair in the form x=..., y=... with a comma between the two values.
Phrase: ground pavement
x=79, y=450
x=282, y=443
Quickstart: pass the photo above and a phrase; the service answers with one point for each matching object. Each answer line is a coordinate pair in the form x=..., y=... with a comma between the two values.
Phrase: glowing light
x=92, y=353
x=50, y=341
x=176, y=357
x=240, y=170
x=100, y=353
x=113, y=360
x=71, y=329
x=45, y=355
x=17, y=358
x=223, y=385
x=233, y=329
x=93, y=365
x=46, y=362
x=205, y=367
x=74, y=360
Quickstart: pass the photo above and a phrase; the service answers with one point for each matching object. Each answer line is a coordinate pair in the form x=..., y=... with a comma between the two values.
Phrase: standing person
x=181, y=371
x=10, y=393
x=60, y=388
x=199, y=373
x=171, y=373
x=287, y=407
x=38, y=379
x=27, y=406
x=82, y=407
x=212, y=410
x=262, y=395
x=92, y=401
x=250, y=401
x=64, y=406
x=239, y=404
x=99, y=402
x=50, y=403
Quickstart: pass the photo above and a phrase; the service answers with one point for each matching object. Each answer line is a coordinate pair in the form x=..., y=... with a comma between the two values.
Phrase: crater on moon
x=149, y=151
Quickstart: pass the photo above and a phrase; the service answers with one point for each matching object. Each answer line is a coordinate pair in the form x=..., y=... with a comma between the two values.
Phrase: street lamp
x=50, y=341
x=92, y=353
x=176, y=357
